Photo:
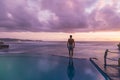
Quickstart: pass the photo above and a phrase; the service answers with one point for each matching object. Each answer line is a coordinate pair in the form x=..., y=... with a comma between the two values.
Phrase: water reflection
x=70, y=69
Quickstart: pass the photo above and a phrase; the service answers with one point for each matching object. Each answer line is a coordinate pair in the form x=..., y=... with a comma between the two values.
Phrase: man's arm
x=67, y=43
x=73, y=43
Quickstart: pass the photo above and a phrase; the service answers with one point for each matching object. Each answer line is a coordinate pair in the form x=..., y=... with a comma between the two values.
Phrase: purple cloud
x=57, y=16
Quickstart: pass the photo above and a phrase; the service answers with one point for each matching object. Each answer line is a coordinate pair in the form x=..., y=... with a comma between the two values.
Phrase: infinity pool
x=46, y=67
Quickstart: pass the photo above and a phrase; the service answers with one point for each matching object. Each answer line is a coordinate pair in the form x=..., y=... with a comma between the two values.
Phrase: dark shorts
x=70, y=47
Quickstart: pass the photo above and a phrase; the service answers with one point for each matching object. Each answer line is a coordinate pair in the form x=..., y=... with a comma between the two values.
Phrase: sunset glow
x=47, y=36
x=55, y=20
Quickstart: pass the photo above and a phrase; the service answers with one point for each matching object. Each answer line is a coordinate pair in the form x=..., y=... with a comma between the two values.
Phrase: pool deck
x=112, y=70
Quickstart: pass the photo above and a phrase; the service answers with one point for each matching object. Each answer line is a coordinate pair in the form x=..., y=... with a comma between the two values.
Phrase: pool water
x=46, y=67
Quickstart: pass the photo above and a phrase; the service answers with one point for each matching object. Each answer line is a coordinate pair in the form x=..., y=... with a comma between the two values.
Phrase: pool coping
x=99, y=69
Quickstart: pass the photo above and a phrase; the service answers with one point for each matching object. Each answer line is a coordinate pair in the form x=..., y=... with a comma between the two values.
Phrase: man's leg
x=72, y=52
x=69, y=53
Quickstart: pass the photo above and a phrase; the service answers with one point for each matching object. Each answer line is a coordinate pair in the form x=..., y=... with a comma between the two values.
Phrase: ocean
x=83, y=49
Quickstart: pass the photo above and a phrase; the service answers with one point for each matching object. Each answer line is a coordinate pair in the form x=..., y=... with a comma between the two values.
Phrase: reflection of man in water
x=70, y=45
x=70, y=69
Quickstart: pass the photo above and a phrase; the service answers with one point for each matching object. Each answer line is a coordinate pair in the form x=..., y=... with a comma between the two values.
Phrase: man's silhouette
x=70, y=45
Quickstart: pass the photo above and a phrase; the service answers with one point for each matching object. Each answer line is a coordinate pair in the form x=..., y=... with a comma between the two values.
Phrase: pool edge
x=99, y=69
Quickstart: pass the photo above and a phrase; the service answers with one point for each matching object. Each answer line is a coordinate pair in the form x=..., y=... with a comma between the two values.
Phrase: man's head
x=70, y=36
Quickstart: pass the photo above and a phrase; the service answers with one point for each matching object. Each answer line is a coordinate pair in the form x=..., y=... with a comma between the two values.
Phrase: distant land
x=12, y=39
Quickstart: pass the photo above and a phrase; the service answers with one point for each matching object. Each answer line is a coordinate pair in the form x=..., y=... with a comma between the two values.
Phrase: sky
x=86, y=20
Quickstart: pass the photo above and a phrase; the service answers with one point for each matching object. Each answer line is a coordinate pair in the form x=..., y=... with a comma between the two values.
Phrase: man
x=118, y=46
x=105, y=57
x=70, y=45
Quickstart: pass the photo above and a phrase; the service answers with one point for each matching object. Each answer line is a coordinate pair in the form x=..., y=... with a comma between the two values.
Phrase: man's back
x=70, y=41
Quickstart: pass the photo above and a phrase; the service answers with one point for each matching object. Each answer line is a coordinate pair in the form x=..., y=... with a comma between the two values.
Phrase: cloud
x=59, y=15
x=106, y=18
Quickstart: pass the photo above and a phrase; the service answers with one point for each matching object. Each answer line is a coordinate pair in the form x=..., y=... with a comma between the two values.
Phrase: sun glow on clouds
x=10, y=15
x=59, y=15
x=45, y=16
x=89, y=10
x=48, y=36
x=102, y=3
x=98, y=36
x=54, y=19
x=70, y=4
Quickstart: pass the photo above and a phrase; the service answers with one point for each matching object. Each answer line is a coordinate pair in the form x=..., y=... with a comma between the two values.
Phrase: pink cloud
x=58, y=15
